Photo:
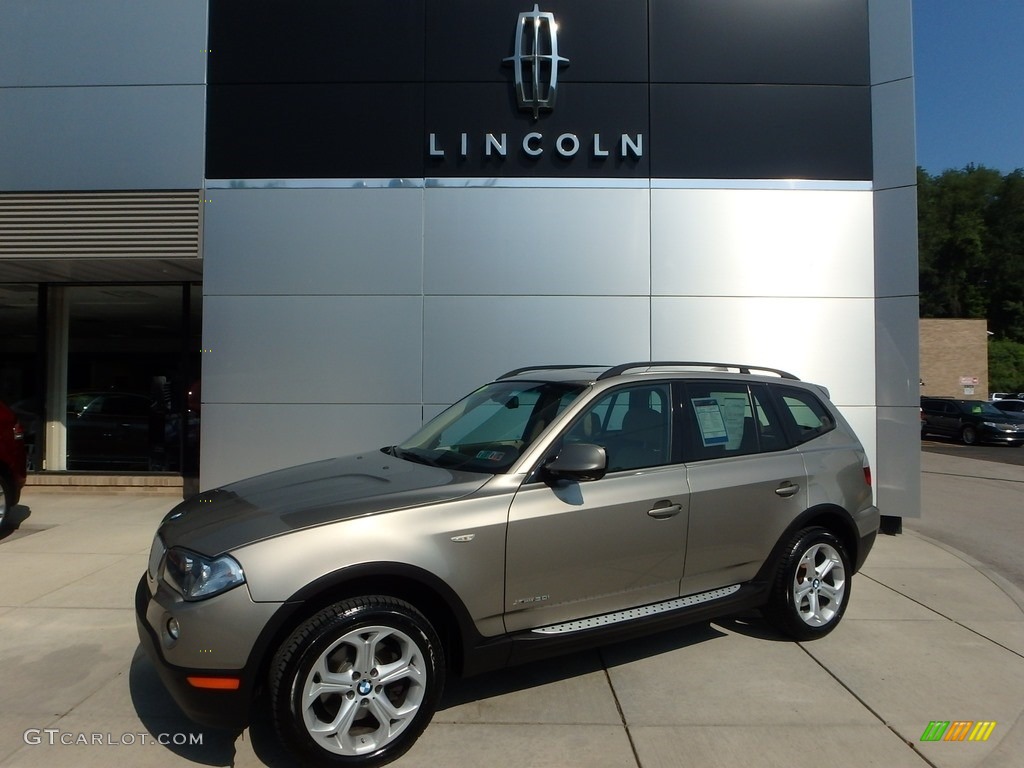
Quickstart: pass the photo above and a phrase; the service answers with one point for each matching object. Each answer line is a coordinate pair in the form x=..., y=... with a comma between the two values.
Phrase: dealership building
x=259, y=232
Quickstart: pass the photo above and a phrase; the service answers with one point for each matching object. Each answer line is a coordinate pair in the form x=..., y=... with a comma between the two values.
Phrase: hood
x=313, y=494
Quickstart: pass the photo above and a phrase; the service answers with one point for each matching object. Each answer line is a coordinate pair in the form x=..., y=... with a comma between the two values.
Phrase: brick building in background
x=954, y=358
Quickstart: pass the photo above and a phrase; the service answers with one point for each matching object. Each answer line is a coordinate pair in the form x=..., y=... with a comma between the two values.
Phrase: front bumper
x=218, y=708
x=1000, y=436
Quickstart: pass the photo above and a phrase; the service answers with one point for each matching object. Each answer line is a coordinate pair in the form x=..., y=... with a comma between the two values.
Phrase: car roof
x=588, y=374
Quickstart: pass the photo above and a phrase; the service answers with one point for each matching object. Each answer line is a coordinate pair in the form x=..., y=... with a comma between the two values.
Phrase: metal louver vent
x=100, y=224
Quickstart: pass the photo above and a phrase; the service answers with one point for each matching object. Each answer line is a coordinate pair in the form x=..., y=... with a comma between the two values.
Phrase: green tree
x=1005, y=223
x=953, y=236
x=971, y=247
x=1005, y=366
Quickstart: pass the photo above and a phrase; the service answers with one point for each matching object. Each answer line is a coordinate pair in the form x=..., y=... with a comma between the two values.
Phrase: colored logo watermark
x=958, y=730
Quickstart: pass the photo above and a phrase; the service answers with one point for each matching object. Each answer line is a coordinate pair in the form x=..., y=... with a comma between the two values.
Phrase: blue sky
x=969, y=83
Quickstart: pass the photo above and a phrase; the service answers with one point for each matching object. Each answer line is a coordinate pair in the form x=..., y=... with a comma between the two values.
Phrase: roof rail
x=517, y=371
x=618, y=370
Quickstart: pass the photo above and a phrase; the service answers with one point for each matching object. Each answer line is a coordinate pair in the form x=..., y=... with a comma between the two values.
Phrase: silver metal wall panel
x=895, y=252
x=897, y=468
x=893, y=134
x=744, y=242
x=827, y=341
x=311, y=349
x=102, y=42
x=314, y=241
x=578, y=242
x=67, y=138
x=897, y=459
x=468, y=340
x=244, y=440
x=892, y=52
x=897, y=360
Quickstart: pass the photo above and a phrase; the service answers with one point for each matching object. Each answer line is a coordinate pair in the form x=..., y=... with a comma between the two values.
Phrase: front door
x=578, y=549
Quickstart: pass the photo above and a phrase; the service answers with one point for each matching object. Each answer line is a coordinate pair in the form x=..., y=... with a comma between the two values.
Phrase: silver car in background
x=552, y=509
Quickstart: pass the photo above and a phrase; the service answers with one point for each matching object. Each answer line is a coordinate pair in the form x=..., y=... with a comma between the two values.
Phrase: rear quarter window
x=804, y=415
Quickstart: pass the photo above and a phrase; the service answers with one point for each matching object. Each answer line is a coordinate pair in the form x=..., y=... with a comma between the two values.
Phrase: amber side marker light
x=216, y=683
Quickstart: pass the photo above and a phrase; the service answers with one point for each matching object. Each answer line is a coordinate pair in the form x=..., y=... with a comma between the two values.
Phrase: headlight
x=198, y=577
x=994, y=425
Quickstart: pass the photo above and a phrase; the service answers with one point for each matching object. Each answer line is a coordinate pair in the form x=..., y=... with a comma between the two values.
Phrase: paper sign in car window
x=735, y=407
x=710, y=421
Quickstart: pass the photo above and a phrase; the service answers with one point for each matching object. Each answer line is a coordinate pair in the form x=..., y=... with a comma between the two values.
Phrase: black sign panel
x=645, y=88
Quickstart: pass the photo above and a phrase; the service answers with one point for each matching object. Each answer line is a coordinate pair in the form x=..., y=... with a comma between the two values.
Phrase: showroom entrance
x=105, y=378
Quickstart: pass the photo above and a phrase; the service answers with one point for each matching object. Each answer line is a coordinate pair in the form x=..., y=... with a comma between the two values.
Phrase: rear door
x=942, y=416
x=746, y=483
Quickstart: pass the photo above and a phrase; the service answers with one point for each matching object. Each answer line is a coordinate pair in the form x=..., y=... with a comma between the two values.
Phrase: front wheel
x=812, y=585
x=969, y=435
x=356, y=684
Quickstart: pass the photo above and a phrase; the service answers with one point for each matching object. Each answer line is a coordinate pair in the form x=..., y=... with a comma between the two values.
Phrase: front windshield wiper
x=408, y=455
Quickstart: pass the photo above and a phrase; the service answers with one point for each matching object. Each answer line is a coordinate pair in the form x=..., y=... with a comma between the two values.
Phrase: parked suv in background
x=1013, y=407
x=553, y=509
x=13, y=462
x=970, y=421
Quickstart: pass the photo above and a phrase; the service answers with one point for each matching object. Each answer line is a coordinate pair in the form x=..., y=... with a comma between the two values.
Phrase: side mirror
x=578, y=461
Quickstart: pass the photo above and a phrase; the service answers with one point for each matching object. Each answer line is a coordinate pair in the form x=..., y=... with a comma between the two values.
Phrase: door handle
x=787, y=490
x=666, y=511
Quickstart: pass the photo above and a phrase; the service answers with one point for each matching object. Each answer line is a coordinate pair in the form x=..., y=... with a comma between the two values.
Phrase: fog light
x=173, y=630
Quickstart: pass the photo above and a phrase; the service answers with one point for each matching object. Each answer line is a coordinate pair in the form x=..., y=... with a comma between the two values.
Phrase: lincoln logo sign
x=536, y=57
x=535, y=62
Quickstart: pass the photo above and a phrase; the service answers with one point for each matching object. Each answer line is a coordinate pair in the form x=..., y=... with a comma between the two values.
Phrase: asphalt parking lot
x=930, y=637
x=1000, y=454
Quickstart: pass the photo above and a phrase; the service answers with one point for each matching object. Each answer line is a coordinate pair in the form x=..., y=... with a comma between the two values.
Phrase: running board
x=644, y=612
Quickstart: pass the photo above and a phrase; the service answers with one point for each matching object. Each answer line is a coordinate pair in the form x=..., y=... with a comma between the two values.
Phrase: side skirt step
x=606, y=619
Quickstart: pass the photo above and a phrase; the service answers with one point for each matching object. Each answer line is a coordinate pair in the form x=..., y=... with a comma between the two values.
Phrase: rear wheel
x=356, y=684
x=812, y=586
x=6, y=499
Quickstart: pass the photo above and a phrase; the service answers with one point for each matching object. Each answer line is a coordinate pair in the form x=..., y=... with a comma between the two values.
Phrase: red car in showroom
x=12, y=462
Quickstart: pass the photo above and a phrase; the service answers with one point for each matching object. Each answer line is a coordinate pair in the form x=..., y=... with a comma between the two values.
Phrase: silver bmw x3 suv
x=552, y=509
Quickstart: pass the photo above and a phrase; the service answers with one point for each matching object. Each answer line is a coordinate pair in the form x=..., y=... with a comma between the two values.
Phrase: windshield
x=488, y=430
x=982, y=408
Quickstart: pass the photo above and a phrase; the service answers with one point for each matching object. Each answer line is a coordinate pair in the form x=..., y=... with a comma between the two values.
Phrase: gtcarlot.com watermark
x=57, y=737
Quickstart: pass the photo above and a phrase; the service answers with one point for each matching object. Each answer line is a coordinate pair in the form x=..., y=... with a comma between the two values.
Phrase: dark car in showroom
x=970, y=421
x=13, y=462
x=120, y=431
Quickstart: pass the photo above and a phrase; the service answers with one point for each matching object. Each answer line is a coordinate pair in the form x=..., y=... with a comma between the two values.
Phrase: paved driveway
x=928, y=637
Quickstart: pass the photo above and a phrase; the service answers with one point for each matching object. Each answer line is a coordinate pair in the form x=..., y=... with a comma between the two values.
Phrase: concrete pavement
x=929, y=636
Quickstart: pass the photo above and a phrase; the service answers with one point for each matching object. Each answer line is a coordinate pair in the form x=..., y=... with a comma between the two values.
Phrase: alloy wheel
x=364, y=690
x=819, y=585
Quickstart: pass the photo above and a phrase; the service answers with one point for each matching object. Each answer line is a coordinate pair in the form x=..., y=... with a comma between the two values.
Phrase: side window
x=726, y=418
x=805, y=414
x=632, y=424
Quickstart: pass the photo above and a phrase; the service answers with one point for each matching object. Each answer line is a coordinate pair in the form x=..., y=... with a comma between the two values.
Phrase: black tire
x=803, y=604
x=6, y=500
x=969, y=435
x=397, y=642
